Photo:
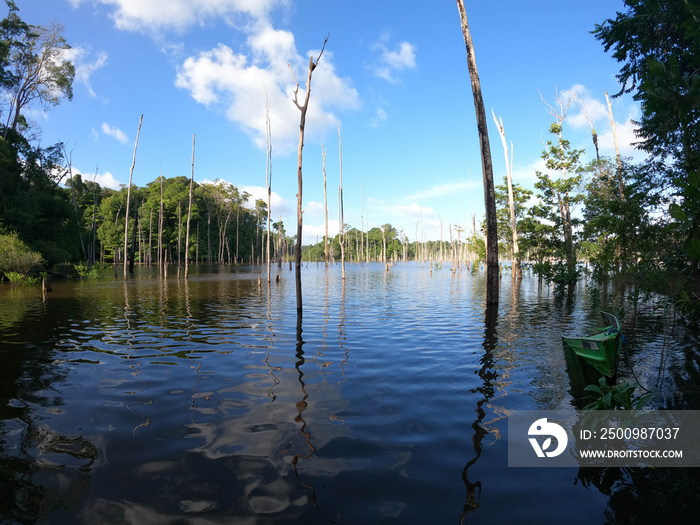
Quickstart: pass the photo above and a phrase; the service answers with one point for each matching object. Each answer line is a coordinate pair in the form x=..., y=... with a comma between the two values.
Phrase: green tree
x=31, y=203
x=617, y=230
x=658, y=44
x=34, y=67
x=558, y=194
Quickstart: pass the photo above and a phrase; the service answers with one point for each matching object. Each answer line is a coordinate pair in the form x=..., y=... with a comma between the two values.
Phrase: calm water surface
x=206, y=401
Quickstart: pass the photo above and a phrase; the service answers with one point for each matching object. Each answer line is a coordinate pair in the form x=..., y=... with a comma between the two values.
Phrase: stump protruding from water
x=45, y=287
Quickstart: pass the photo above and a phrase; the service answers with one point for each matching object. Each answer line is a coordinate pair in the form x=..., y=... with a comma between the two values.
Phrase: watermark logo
x=545, y=429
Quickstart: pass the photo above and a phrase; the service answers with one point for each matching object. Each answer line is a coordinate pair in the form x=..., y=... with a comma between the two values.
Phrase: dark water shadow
x=488, y=376
x=301, y=406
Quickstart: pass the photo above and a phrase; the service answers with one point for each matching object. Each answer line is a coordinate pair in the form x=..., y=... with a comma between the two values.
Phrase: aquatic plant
x=615, y=397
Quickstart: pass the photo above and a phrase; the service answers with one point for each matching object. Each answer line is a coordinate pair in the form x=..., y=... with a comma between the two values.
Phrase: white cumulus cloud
x=392, y=61
x=179, y=15
x=114, y=132
x=106, y=179
x=278, y=204
x=237, y=85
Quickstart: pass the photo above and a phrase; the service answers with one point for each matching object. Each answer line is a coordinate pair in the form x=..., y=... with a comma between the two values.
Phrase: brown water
x=207, y=402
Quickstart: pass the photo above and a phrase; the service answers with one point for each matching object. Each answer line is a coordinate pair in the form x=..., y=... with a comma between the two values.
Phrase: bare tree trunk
x=141, y=250
x=486, y=164
x=128, y=199
x=341, y=237
x=94, y=217
x=517, y=270
x=269, y=180
x=362, y=227
x=594, y=135
x=302, y=122
x=69, y=159
x=161, y=258
x=621, y=183
x=179, y=236
x=150, y=237
x=325, y=207
x=189, y=216
x=208, y=236
x=279, y=245
x=132, y=255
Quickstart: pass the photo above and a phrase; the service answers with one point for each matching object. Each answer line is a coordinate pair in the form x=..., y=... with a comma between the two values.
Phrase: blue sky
x=394, y=73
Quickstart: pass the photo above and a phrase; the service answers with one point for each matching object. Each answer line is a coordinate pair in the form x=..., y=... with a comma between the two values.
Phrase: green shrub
x=18, y=278
x=16, y=257
x=89, y=273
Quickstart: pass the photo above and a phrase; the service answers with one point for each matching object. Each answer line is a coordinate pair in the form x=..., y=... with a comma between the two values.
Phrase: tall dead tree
x=128, y=199
x=189, y=216
x=486, y=164
x=341, y=237
x=94, y=216
x=325, y=207
x=268, y=178
x=517, y=269
x=362, y=227
x=620, y=179
x=302, y=123
x=594, y=134
x=161, y=259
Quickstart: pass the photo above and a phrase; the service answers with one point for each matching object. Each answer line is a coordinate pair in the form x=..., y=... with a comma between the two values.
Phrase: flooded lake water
x=205, y=401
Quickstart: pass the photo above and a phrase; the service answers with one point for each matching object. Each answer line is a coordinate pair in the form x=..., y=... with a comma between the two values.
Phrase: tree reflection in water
x=301, y=406
x=487, y=389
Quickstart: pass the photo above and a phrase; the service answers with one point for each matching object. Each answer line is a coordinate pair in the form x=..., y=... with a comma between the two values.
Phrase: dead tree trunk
x=325, y=206
x=517, y=270
x=362, y=227
x=486, y=164
x=302, y=122
x=94, y=217
x=620, y=180
x=128, y=198
x=268, y=177
x=341, y=235
x=150, y=237
x=279, y=245
x=189, y=217
x=179, y=237
x=161, y=258
x=69, y=160
x=132, y=255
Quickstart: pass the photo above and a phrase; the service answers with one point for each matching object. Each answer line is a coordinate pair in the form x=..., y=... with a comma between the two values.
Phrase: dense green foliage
x=16, y=257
